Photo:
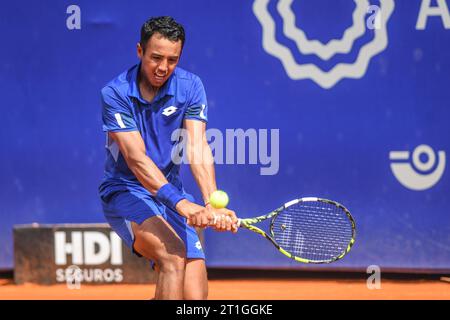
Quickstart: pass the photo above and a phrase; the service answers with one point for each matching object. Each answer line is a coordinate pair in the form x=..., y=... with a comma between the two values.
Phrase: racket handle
x=216, y=218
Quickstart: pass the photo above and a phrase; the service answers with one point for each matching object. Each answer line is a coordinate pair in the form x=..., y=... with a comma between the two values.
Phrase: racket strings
x=316, y=231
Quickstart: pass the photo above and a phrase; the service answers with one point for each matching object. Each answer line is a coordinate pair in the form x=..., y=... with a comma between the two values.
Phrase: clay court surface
x=256, y=289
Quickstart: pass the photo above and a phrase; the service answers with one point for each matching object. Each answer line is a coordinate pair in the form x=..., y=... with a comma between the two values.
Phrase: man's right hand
x=196, y=215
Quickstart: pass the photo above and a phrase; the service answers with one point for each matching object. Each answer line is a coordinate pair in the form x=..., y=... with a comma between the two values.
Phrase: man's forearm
x=154, y=181
x=147, y=173
x=203, y=170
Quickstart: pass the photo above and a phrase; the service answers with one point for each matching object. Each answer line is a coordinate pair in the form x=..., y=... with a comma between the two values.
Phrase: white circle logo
x=415, y=175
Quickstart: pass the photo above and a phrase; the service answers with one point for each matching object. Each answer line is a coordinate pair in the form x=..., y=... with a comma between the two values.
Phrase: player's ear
x=140, y=51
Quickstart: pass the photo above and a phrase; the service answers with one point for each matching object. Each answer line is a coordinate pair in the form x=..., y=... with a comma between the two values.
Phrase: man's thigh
x=156, y=238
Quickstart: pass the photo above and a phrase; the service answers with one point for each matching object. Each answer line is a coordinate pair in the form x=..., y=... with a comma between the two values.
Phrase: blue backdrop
x=341, y=108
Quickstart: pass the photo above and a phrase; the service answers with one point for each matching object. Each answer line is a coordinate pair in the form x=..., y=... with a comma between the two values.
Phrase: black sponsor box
x=75, y=254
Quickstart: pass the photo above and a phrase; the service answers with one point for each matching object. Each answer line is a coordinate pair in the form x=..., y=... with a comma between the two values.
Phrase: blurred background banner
x=347, y=100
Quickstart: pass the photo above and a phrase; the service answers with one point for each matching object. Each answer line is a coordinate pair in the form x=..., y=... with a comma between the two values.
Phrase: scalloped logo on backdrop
x=325, y=51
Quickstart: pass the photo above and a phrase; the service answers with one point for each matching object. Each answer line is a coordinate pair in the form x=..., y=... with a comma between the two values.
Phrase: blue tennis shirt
x=123, y=109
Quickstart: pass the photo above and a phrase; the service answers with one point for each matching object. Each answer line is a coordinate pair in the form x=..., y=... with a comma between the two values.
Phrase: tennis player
x=142, y=195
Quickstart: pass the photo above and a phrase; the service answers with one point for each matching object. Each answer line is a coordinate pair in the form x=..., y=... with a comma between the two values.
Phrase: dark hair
x=166, y=26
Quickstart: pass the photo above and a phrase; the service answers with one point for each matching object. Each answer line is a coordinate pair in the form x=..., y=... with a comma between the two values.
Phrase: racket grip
x=216, y=218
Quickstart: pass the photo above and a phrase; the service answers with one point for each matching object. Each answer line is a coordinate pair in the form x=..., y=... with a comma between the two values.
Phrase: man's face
x=159, y=59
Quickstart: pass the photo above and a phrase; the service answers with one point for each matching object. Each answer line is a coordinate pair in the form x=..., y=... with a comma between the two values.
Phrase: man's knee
x=171, y=262
x=168, y=258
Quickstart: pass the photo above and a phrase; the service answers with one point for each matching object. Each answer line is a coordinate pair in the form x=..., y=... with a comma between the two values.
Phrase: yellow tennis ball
x=219, y=199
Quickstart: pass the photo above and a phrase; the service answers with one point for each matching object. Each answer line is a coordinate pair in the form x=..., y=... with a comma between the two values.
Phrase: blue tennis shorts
x=137, y=205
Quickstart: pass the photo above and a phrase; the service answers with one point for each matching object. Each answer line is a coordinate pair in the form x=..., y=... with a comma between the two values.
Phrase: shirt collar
x=168, y=89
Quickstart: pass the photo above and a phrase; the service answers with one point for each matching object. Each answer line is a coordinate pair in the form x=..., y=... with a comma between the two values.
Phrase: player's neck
x=148, y=92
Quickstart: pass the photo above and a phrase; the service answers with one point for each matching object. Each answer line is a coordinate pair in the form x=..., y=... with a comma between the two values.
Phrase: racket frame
x=248, y=223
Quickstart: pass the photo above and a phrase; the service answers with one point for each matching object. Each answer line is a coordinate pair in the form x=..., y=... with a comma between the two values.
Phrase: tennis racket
x=308, y=230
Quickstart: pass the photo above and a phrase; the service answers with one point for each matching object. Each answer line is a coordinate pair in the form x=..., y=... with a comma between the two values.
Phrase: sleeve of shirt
x=198, y=107
x=116, y=114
